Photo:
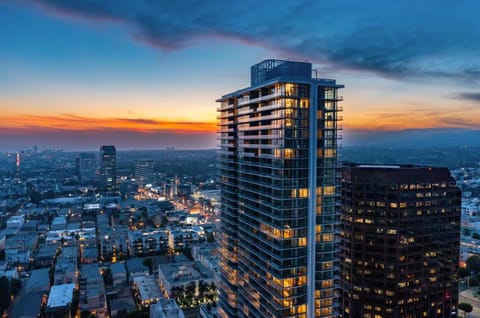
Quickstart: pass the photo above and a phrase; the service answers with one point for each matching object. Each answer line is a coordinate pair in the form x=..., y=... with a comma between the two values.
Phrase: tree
x=473, y=263
x=75, y=302
x=466, y=231
x=466, y=308
x=473, y=282
x=86, y=314
x=463, y=272
x=51, y=274
x=149, y=263
x=4, y=292
x=137, y=314
x=15, y=286
x=107, y=277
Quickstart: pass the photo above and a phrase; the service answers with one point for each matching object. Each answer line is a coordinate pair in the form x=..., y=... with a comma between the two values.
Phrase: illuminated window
x=328, y=237
x=327, y=265
x=304, y=103
x=289, y=89
x=329, y=190
x=302, y=241
x=329, y=153
x=303, y=193
x=289, y=153
x=327, y=283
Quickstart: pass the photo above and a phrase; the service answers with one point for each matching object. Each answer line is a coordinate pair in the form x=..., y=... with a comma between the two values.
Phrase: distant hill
x=413, y=138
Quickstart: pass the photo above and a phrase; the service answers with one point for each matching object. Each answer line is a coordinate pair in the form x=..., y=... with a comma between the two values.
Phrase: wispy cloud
x=393, y=38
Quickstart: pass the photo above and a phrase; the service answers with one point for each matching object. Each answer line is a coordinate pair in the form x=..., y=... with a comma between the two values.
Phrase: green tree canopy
x=466, y=308
x=473, y=263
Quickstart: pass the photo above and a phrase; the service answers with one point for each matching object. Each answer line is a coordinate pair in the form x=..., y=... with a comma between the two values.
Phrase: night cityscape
x=245, y=159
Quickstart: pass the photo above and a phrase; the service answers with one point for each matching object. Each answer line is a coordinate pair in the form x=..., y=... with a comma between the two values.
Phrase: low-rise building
x=166, y=308
x=147, y=290
x=59, y=301
x=119, y=274
x=45, y=256
x=147, y=242
x=84, y=236
x=65, y=271
x=119, y=307
x=15, y=222
x=136, y=268
x=89, y=255
x=92, y=291
x=113, y=241
x=208, y=311
x=59, y=223
x=182, y=238
x=177, y=275
x=39, y=281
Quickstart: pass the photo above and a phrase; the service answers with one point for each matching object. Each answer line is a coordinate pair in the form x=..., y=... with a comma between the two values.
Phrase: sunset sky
x=145, y=74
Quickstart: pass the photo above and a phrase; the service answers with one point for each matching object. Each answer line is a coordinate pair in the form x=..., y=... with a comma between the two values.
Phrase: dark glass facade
x=278, y=177
x=399, y=242
x=108, y=168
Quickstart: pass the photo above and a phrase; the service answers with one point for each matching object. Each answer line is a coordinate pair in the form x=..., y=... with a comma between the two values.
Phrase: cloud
x=475, y=97
x=394, y=38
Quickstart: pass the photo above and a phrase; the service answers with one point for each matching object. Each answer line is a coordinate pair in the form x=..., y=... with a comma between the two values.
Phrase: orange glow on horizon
x=82, y=123
x=395, y=121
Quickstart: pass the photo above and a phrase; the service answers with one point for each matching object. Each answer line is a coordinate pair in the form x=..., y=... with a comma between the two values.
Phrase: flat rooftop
x=60, y=295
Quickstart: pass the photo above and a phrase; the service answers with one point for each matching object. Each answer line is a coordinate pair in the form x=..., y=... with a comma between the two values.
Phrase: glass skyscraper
x=278, y=176
x=108, y=168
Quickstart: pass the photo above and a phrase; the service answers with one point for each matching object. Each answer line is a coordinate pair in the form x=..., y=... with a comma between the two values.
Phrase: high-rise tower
x=277, y=175
x=400, y=242
x=87, y=167
x=144, y=171
x=108, y=168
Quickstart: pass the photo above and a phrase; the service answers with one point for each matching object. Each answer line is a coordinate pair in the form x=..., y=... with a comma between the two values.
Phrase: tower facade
x=144, y=171
x=277, y=176
x=87, y=167
x=108, y=168
x=400, y=242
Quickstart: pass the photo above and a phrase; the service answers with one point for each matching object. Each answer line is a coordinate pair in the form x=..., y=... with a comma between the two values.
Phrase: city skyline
x=146, y=76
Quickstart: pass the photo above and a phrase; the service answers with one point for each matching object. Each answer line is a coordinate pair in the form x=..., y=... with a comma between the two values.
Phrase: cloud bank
x=392, y=38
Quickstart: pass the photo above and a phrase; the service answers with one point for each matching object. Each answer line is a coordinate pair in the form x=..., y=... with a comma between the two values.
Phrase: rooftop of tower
x=268, y=69
x=273, y=70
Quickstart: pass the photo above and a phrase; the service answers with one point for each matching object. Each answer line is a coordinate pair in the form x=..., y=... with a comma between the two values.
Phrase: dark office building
x=144, y=171
x=87, y=167
x=108, y=168
x=278, y=169
x=399, y=242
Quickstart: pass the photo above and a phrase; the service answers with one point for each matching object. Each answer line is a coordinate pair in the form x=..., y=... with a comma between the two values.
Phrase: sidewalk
x=467, y=296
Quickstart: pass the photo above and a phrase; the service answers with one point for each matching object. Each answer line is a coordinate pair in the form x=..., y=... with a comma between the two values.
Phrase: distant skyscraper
x=87, y=167
x=278, y=164
x=108, y=168
x=400, y=242
x=143, y=171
